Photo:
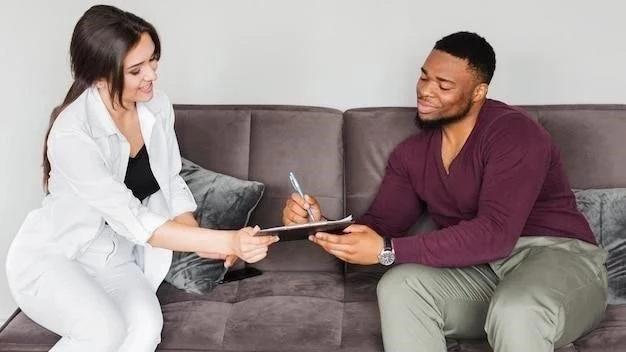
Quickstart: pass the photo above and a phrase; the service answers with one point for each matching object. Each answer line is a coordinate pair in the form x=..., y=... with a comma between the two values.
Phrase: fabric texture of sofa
x=307, y=300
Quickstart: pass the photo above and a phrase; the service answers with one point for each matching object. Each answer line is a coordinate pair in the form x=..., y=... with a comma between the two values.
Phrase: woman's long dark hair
x=102, y=37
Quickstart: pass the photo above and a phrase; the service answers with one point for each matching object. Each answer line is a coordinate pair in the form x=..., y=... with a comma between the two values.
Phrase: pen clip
x=296, y=186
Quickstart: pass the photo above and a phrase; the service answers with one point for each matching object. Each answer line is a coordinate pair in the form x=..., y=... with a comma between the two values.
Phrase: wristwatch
x=387, y=256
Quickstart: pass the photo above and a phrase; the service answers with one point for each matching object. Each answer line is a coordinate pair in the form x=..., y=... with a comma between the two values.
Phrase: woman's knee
x=106, y=331
x=146, y=322
x=151, y=330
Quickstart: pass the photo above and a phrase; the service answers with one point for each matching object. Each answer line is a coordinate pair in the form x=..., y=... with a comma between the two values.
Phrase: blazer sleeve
x=75, y=157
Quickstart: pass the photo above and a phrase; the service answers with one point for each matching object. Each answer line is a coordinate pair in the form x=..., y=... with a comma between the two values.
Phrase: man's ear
x=480, y=92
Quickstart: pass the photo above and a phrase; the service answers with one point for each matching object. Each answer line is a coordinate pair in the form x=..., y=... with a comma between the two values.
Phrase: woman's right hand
x=251, y=248
x=295, y=210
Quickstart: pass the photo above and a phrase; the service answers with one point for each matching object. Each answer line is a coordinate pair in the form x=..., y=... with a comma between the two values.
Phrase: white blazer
x=89, y=156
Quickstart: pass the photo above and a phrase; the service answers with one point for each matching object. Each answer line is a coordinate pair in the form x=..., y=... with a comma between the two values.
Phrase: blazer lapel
x=156, y=145
x=111, y=141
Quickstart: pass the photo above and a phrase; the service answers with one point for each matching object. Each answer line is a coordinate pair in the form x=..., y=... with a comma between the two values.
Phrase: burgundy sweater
x=507, y=181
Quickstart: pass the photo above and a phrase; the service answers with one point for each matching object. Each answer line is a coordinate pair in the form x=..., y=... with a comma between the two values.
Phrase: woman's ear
x=101, y=83
x=480, y=92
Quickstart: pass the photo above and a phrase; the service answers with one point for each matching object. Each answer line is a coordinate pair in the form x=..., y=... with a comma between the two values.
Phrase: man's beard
x=441, y=121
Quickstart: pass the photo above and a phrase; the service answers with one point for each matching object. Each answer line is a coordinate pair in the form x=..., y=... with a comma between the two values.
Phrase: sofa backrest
x=264, y=143
x=591, y=141
x=370, y=134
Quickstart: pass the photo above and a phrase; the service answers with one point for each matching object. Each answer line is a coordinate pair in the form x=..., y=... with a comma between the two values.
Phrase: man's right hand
x=295, y=210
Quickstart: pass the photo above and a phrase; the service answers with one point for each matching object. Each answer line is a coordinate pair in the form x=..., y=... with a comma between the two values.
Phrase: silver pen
x=296, y=187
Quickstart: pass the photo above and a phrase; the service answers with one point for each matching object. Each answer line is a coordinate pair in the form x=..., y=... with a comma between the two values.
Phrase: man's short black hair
x=473, y=48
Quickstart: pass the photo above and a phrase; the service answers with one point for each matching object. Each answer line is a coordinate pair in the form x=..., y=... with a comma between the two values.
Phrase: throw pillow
x=605, y=209
x=224, y=203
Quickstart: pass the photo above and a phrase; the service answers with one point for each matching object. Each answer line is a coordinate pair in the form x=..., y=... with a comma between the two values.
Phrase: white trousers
x=99, y=302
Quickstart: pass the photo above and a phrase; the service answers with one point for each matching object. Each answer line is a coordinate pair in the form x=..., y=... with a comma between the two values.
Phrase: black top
x=139, y=177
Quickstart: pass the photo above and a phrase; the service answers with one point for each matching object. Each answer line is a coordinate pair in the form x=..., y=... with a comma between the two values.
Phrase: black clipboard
x=303, y=231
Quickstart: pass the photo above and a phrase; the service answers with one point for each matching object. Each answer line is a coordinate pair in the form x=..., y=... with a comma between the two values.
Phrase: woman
x=86, y=265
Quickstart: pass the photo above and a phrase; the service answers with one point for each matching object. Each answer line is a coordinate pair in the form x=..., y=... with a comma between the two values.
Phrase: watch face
x=386, y=258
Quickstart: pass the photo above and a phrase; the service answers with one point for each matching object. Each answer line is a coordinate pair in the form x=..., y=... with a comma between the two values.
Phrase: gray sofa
x=307, y=300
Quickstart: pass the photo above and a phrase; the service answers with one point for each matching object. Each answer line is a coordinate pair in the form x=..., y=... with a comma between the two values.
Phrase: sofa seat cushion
x=277, y=311
x=347, y=327
x=194, y=324
x=279, y=323
x=361, y=327
x=610, y=335
x=301, y=311
x=288, y=311
x=323, y=285
x=23, y=334
x=291, y=307
x=289, y=320
x=360, y=286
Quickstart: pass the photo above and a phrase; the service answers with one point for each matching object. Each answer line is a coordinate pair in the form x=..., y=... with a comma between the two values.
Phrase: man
x=514, y=259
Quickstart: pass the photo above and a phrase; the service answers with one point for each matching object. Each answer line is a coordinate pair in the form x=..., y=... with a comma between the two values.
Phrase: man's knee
x=406, y=278
x=517, y=311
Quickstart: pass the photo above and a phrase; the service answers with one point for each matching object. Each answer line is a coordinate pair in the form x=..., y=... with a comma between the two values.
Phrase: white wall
x=334, y=53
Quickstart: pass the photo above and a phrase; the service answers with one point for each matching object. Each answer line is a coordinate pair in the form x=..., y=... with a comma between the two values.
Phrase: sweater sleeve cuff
x=406, y=249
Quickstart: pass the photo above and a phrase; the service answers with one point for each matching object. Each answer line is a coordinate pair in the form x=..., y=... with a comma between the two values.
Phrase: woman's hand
x=229, y=260
x=249, y=247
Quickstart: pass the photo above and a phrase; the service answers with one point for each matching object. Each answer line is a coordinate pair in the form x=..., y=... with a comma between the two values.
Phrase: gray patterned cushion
x=224, y=203
x=605, y=209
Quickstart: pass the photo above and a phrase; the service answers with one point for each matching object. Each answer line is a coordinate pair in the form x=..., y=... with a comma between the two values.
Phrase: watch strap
x=388, y=244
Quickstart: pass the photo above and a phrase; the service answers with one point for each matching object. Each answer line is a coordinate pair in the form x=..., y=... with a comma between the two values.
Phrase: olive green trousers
x=546, y=294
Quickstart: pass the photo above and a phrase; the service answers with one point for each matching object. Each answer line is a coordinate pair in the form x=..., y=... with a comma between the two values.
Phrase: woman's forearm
x=185, y=238
x=187, y=219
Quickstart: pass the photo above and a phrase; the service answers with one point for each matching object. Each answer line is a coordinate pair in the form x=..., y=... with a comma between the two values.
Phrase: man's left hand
x=359, y=245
